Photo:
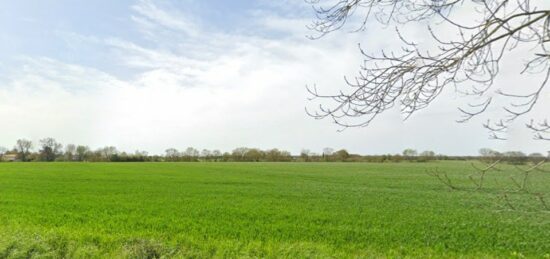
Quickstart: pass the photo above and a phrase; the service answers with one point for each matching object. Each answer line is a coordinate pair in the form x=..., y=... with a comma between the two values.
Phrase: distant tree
x=108, y=153
x=426, y=156
x=239, y=154
x=305, y=155
x=206, y=154
x=217, y=155
x=276, y=155
x=140, y=155
x=315, y=157
x=191, y=154
x=254, y=155
x=341, y=155
x=514, y=154
x=285, y=156
x=487, y=152
x=227, y=156
x=82, y=153
x=328, y=151
x=536, y=157
x=409, y=152
x=172, y=155
x=23, y=148
x=515, y=157
x=70, y=152
x=50, y=149
x=3, y=151
x=428, y=153
x=396, y=158
x=272, y=155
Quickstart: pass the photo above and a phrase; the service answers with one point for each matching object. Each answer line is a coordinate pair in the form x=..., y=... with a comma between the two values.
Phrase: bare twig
x=525, y=175
x=507, y=201
x=541, y=130
x=542, y=201
x=481, y=172
x=442, y=177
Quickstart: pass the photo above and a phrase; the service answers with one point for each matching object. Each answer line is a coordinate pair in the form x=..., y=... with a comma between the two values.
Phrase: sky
x=151, y=75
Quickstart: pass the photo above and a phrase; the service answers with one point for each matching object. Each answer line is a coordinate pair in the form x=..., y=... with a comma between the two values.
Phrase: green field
x=295, y=210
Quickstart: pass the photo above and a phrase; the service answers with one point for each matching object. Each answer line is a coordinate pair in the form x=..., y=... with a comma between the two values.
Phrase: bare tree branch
x=414, y=77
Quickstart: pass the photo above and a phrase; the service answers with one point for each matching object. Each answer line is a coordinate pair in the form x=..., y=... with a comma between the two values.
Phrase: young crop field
x=291, y=210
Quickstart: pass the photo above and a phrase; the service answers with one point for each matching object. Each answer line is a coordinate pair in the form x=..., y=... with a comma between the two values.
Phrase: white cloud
x=152, y=17
x=50, y=98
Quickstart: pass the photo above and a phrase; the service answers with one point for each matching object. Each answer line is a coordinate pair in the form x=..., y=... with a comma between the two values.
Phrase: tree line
x=50, y=150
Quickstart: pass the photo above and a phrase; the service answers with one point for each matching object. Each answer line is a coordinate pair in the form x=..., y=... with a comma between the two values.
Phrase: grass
x=294, y=210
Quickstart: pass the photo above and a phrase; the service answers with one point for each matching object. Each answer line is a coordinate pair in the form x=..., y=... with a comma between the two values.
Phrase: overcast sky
x=214, y=74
